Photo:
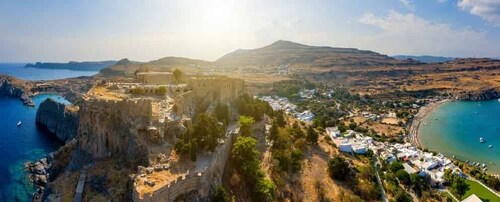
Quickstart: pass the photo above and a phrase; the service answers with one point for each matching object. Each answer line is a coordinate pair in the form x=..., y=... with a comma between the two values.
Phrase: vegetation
x=162, y=90
x=248, y=106
x=246, y=124
x=312, y=135
x=220, y=194
x=203, y=135
x=480, y=191
x=339, y=168
x=138, y=91
x=457, y=184
x=246, y=159
x=290, y=88
x=177, y=75
x=221, y=112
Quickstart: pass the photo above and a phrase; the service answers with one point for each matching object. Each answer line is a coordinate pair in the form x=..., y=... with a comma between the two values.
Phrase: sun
x=218, y=14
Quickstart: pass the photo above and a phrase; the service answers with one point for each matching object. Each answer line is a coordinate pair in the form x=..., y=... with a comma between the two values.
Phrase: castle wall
x=199, y=181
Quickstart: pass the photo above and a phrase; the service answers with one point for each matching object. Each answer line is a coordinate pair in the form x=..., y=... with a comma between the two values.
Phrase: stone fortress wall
x=200, y=181
x=222, y=89
x=132, y=107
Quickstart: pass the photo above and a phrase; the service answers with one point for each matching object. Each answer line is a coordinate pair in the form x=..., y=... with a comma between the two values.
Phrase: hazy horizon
x=61, y=31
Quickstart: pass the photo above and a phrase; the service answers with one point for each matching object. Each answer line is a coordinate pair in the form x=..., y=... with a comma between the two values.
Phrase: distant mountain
x=125, y=67
x=80, y=66
x=424, y=58
x=8, y=64
x=287, y=52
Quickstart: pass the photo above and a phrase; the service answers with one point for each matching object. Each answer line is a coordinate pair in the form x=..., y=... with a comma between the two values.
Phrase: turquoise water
x=41, y=74
x=19, y=145
x=454, y=129
x=27, y=142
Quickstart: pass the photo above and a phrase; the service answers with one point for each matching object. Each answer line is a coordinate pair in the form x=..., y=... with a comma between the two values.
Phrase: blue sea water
x=27, y=142
x=454, y=129
x=35, y=74
x=19, y=145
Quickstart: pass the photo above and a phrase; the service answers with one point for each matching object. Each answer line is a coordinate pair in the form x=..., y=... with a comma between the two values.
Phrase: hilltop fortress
x=135, y=123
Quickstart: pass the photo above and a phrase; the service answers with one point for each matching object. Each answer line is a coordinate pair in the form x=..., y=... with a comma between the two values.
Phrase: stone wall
x=200, y=181
x=222, y=89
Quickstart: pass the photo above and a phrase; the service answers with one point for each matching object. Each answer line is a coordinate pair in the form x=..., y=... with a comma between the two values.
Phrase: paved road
x=384, y=196
x=79, y=187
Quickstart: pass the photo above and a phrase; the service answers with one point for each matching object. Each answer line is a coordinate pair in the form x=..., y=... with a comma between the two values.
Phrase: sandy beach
x=417, y=120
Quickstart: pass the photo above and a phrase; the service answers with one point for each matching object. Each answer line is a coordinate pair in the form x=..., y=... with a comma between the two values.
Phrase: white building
x=333, y=132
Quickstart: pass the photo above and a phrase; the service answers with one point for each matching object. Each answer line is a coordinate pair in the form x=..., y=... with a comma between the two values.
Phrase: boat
x=498, y=99
x=490, y=146
x=481, y=140
x=19, y=123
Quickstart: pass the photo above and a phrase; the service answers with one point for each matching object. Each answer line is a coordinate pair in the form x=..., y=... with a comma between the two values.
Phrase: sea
x=27, y=142
x=454, y=129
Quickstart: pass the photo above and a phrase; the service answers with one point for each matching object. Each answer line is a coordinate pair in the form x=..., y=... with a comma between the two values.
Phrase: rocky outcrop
x=38, y=173
x=484, y=94
x=17, y=88
x=60, y=119
x=112, y=129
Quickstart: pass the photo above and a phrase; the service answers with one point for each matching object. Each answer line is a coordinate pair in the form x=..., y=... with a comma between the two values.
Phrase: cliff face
x=17, y=88
x=58, y=118
x=484, y=94
x=112, y=129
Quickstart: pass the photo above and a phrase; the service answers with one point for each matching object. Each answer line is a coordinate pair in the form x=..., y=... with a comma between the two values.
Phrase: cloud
x=408, y=4
x=489, y=10
x=410, y=34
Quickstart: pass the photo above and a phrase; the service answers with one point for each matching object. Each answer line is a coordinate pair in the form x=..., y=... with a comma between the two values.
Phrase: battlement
x=199, y=180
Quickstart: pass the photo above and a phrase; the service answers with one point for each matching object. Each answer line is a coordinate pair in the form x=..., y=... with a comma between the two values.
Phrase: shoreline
x=419, y=117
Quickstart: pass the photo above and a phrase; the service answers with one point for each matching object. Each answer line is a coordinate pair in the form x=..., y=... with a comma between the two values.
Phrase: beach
x=419, y=117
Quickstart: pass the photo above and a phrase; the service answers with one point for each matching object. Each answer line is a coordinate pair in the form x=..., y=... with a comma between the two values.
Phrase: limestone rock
x=60, y=119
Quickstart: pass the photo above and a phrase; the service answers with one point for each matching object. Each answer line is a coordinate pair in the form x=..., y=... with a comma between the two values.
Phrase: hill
x=424, y=58
x=291, y=53
x=80, y=66
x=126, y=67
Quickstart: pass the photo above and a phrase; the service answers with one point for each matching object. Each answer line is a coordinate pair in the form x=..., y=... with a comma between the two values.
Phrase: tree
x=246, y=158
x=402, y=196
x=207, y=131
x=138, y=91
x=417, y=182
x=280, y=118
x=162, y=90
x=395, y=166
x=458, y=186
x=403, y=176
x=221, y=112
x=265, y=188
x=246, y=124
x=338, y=168
x=312, y=135
x=177, y=75
x=273, y=131
x=220, y=194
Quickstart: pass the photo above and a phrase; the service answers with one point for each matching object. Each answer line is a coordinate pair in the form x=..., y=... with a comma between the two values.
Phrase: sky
x=144, y=30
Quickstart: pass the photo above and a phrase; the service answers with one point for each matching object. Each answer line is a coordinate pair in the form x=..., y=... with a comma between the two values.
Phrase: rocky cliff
x=60, y=119
x=483, y=94
x=17, y=88
x=112, y=129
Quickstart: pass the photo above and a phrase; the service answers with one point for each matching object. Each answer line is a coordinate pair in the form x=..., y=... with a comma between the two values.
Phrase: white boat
x=490, y=146
x=481, y=140
x=19, y=123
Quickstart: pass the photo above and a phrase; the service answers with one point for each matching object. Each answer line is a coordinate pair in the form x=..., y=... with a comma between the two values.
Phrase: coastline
x=419, y=117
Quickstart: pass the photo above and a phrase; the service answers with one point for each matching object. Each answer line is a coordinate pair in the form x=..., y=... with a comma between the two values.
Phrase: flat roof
x=409, y=169
x=472, y=198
